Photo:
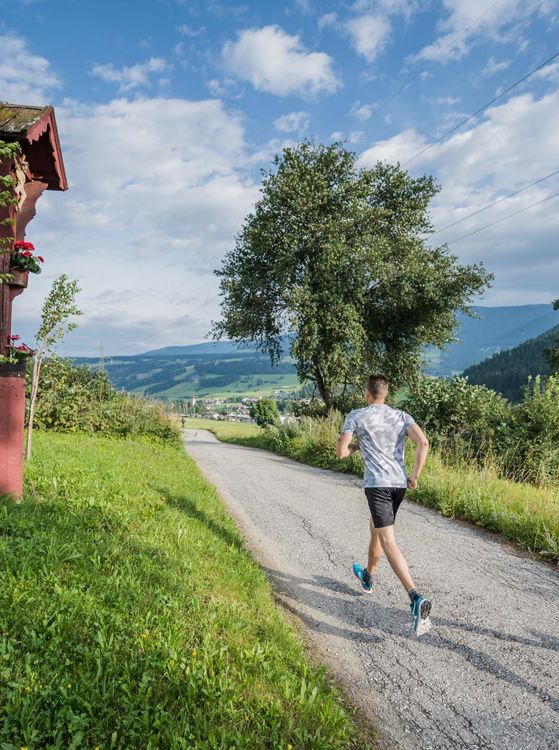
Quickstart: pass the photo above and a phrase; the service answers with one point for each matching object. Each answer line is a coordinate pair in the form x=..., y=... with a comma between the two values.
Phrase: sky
x=168, y=110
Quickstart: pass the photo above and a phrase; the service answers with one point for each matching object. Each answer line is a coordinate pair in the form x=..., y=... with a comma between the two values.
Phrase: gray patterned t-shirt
x=381, y=432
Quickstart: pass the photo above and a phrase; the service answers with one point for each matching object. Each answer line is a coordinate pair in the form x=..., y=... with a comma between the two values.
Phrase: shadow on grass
x=185, y=505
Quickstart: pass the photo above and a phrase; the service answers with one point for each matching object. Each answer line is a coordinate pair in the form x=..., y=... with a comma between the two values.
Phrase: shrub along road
x=486, y=676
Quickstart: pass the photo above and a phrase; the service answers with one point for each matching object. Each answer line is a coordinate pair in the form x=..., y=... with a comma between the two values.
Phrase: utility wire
x=495, y=203
x=509, y=216
x=448, y=46
x=478, y=111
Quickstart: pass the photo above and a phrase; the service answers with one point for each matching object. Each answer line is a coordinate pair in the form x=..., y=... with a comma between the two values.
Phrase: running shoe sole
x=362, y=584
x=423, y=624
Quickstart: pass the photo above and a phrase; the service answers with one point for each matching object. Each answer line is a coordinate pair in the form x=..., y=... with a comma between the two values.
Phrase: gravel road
x=487, y=676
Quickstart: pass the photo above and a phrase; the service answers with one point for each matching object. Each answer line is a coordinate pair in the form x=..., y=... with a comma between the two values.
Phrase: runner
x=381, y=432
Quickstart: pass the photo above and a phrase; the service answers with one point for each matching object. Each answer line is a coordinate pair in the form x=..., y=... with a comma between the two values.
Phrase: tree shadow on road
x=356, y=613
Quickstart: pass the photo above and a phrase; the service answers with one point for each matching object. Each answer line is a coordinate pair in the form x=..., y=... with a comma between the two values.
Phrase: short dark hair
x=377, y=384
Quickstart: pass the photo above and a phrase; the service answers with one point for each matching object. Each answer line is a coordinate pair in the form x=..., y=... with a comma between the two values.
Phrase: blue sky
x=168, y=109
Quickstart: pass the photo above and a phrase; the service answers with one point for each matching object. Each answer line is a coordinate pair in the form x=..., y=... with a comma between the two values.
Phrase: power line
x=448, y=46
x=499, y=221
x=478, y=111
x=495, y=203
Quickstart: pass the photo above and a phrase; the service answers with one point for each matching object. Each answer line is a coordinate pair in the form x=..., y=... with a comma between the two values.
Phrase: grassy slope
x=131, y=615
x=244, y=386
x=522, y=513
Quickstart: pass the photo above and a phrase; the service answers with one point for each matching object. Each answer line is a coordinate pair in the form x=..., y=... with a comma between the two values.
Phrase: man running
x=381, y=432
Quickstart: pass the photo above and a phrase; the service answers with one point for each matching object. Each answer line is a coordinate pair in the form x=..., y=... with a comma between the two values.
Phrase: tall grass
x=132, y=617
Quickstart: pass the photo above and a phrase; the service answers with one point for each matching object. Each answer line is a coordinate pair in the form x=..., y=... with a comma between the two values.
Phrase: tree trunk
x=34, y=388
x=323, y=389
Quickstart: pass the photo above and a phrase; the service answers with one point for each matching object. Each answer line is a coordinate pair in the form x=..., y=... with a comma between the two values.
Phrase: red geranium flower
x=40, y=257
x=27, y=253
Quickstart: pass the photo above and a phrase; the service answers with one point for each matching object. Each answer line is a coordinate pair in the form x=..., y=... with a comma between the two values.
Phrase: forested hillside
x=507, y=372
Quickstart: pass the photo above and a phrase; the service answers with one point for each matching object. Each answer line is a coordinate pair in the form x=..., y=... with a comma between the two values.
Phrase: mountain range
x=225, y=370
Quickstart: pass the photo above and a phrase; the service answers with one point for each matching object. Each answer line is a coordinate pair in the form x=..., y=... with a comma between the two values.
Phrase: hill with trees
x=508, y=371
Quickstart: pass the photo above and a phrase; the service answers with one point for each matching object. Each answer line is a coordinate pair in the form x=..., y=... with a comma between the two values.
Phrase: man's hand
x=412, y=482
x=344, y=449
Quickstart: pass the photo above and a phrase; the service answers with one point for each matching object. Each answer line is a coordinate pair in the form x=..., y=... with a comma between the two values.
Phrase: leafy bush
x=77, y=399
x=265, y=412
x=313, y=441
x=536, y=431
x=453, y=411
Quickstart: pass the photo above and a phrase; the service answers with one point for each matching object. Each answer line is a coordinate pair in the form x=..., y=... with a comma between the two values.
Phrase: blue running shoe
x=363, y=577
x=420, y=609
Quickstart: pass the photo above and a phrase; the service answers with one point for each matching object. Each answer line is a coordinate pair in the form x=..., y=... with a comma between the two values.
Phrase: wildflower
x=69, y=685
x=289, y=747
x=195, y=653
x=27, y=689
x=23, y=748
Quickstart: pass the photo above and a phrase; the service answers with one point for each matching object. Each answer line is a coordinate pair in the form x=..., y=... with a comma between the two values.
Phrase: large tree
x=336, y=256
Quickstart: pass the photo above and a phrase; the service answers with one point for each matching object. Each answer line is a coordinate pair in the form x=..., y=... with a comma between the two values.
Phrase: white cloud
x=493, y=66
x=187, y=30
x=369, y=34
x=293, y=122
x=362, y=112
x=158, y=190
x=133, y=76
x=509, y=148
x=470, y=21
x=25, y=78
x=278, y=63
x=447, y=100
x=327, y=19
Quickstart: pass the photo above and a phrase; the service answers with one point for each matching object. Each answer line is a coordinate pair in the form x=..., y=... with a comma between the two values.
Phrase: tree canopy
x=335, y=255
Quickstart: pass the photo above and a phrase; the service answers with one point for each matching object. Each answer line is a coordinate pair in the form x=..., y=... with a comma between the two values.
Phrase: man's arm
x=416, y=434
x=345, y=447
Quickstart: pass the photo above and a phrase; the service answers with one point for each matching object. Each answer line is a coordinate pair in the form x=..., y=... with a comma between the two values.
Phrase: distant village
x=233, y=409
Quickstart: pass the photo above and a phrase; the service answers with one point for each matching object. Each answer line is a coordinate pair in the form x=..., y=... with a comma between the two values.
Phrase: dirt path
x=488, y=674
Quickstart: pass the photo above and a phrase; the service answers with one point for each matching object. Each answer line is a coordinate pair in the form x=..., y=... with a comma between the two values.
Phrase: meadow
x=132, y=616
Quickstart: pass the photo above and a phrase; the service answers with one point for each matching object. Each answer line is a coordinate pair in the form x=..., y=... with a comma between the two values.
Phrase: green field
x=224, y=430
x=132, y=617
x=247, y=385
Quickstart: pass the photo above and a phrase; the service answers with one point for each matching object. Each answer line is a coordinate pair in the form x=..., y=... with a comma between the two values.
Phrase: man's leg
x=394, y=556
x=375, y=550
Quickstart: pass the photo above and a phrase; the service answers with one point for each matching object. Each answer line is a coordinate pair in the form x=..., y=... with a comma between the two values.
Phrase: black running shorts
x=384, y=503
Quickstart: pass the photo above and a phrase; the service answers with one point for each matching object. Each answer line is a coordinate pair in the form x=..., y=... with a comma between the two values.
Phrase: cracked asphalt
x=487, y=676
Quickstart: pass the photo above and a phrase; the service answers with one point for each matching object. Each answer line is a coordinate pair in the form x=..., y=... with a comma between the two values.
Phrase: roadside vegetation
x=131, y=615
x=74, y=398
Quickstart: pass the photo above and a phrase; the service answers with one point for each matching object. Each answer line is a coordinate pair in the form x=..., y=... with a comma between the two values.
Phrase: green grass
x=225, y=430
x=131, y=615
x=520, y=512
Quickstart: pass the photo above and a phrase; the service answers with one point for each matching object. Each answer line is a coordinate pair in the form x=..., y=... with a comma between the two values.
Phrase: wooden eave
x=35, y=129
